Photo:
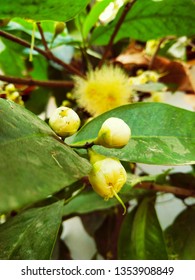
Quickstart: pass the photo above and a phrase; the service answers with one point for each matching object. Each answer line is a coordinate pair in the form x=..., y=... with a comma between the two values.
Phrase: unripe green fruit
x=114, y=133
x=64, y=121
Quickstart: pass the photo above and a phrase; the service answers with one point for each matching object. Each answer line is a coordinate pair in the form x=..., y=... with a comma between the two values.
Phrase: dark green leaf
x=161, y=134
x=38, y=100
x=181, y=236
x=125, y=246
x=58, y=10
x=31, y=235
x=34, y=162
x=142, y=235
x=11, y=59
x=149, y=19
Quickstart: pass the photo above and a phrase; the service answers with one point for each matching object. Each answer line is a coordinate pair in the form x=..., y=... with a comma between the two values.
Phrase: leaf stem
x=126, y=9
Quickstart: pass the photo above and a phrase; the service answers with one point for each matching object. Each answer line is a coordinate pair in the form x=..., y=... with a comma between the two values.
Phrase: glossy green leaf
x=161, y=134
x=180, y=236
x=149, y=19
x=93, y=16
x=34, y=161
x=58, y=10
x=31, y=235
x=142, y=234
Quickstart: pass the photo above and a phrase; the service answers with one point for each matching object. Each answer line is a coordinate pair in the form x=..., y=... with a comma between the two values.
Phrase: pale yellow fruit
x=114, y=133
x=107, y=175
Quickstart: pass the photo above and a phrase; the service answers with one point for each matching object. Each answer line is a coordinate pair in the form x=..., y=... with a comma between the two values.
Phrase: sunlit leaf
x=59, y=10
x=93, y=16
x=149, y=19
x=161, y=134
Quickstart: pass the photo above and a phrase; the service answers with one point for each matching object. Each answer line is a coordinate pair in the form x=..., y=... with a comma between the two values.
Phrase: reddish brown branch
x=151, y=64
x=46, y=54
x=31, y=82
x=43, y=37
x=127, y=8
x=167, y=189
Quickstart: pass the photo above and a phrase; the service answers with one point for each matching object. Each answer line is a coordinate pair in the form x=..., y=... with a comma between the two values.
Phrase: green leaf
x=125, y=248
x=88, y=202
x=34, y=161
x=161, y=134
x=11, y=58
x=180, y=236
x=31, y=235
x=149, y=19
x=58, y=10
x=93, y=16
x=38, y=100
x=142, y=234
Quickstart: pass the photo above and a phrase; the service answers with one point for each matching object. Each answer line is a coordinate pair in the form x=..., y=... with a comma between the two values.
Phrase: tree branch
x=165, y=188
x=43, y=37
x=31, y=82
x=46, y=54
x=127, y=8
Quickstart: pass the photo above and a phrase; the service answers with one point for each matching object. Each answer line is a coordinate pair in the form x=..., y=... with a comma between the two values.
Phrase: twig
x=31, y=82
x=43, y=37
x=46, y=54
x=166, y=189
x=127, y=8
x=150, y=66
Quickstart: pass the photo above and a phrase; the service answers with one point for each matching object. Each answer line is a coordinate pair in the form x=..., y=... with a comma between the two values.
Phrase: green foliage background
x=42, y=178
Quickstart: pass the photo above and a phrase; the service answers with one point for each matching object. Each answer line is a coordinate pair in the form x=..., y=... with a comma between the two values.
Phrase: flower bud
x=10, y=88
x=107, y=176
x=64, y=121
x=59, y=27
x=114, y=133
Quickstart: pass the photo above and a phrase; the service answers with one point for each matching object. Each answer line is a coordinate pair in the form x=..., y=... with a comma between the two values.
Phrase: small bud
x=114, y=133
x=10, y=88
x=64, y=121
x=107, y=176
x=59, y=27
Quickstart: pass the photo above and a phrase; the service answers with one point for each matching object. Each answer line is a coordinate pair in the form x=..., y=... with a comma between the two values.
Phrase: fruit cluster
x=107, y=175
